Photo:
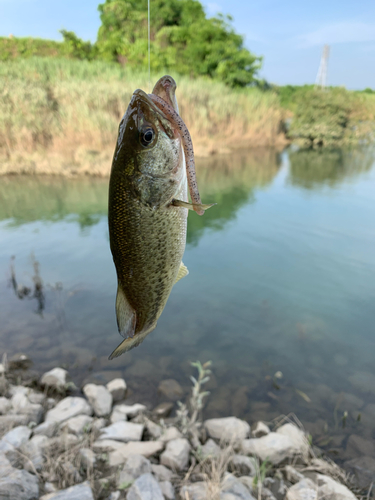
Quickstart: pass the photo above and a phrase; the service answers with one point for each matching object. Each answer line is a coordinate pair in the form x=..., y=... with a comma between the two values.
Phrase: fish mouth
x=141, y=95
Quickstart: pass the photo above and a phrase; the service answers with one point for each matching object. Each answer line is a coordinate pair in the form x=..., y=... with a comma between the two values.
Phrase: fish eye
x=147, y=136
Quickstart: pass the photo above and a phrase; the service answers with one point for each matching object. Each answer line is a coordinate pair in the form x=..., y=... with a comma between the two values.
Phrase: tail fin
x=125, y=314
x=131, y=342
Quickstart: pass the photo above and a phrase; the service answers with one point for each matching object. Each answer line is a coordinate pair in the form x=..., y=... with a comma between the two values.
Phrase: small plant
x=187, y=415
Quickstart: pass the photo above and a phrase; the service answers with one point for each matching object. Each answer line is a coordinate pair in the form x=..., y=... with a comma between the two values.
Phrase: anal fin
x=125, y=314
x=182, y=272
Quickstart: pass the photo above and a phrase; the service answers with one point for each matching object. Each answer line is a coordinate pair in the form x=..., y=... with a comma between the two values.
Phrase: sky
x=290, y=35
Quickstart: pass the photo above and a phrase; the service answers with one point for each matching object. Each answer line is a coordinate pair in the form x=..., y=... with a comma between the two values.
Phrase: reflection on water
x=281, y=279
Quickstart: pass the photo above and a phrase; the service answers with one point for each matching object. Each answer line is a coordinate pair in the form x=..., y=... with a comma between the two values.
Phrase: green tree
x=183, y=40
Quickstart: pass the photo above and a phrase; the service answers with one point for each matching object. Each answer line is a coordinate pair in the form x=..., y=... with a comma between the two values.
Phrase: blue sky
x=289, y=35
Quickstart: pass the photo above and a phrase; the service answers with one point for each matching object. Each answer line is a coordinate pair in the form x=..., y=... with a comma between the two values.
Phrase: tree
x=183, y=40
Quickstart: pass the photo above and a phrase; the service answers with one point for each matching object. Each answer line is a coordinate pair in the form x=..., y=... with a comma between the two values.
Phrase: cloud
x=341, y=32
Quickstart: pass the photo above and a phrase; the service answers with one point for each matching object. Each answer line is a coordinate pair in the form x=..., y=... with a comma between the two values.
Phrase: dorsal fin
x=125, y=314
x=182, y=272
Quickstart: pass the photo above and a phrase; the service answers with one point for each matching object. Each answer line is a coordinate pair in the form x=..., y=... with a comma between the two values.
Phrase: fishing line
x=149, y=46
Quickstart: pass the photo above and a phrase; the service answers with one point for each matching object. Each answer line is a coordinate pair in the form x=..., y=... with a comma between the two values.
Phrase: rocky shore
x=61, y=443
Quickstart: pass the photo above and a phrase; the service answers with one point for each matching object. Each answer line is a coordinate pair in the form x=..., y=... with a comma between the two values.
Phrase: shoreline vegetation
x=60, y=116
x=96, y=443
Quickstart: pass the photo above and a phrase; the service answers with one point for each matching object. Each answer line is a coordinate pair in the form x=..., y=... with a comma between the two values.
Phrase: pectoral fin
x=125, y=314
x=191, y=206
x=182, y=272
x=131, y=342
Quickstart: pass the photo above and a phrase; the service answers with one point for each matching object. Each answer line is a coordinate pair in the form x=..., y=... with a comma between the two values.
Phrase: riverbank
x=61, y=442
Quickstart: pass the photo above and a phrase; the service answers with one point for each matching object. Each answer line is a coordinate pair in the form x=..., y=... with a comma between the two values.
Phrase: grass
x=66, y=112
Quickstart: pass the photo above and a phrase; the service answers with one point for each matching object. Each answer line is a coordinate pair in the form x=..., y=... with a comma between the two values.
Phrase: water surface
x=282, y=279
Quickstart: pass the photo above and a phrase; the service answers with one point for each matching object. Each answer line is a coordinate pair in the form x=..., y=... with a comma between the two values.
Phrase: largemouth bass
x=148, y=208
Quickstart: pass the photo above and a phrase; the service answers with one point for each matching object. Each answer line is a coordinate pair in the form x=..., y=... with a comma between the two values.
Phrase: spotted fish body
x=147, y=231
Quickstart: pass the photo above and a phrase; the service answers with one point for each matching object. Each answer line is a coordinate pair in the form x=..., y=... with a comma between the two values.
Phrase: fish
x=152, y=171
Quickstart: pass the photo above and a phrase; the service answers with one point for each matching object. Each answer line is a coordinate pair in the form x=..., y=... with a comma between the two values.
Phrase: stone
x=170, y=433
x=46, y=428
x=117, y=415
x=176, y=454
x=130, y=411
x=163, y=410
x=102, y=377
x=233, y=486
x=16, y=484
x=55, y=378
x=292, y=474
x=117, y=388
x=287, y=442
x=20, y=362
x=49, y=487
x=363, y=381
x=15, y=438
x=100, y=399
x=5, y=405
x=227, y=429
x=210, y=449
x=161, y=472
x=77, y=425
x=154, y=430
x=7, y=421
x=260, y=429
x=36, y=397
x=358, y=446
x=115, y=495
x=167, y=490
x=145, y=448
x=135, y=466
x=303, y=490
x=67, y=408
x=363, y=469
x=243, y=465
x=122, y=431
x=145, y=488
x=88, y=458
x=33, y=450
x=195, y=491
x=170, y=389
x=329, y=489
x=99, y=423
x=106, y=445
x=78, y=492
x=276, y=486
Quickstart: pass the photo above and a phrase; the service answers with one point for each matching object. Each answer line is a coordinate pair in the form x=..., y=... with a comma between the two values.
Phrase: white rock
x=115, y=495
x=49, y=487
x=56, y=378
x=67, y=408
x=167, y=490
x=15, y=438
x=303, y=490
x=117, y=415
x=260, y=429
x=292, y=474
x=145, y=448
x=233, y=486
x=79, y=492
x=161, y=472
x=33, y=449
x=77, y=425
x=176, y=454
x=243, y=465
x=153, y=429
x=19, y=401
x=46, y=428
x=123, y=431
x=16, y=484
x=100, y=399
x=99, y=423
x=135, y=466
x=329, y=489
x=145, y=488
x=287, y=442
x=169, y=434
x=87, y=457
x=106, y=445
x=5, y=405
x=227, y=429
x=195, y=491
x=36, y=397
x=130, y=411
x=18, y=389
x=117, y=388
x=210, y=449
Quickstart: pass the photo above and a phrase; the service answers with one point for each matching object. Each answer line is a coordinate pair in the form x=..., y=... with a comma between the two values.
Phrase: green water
x=282, y=278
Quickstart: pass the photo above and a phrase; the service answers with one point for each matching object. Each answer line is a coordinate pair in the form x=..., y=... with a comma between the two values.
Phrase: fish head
x=149, y=151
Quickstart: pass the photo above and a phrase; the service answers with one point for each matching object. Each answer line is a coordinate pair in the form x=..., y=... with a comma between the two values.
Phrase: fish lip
x=141, y=94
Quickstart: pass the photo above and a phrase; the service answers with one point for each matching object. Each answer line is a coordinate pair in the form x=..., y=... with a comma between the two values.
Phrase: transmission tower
x=321, y=77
